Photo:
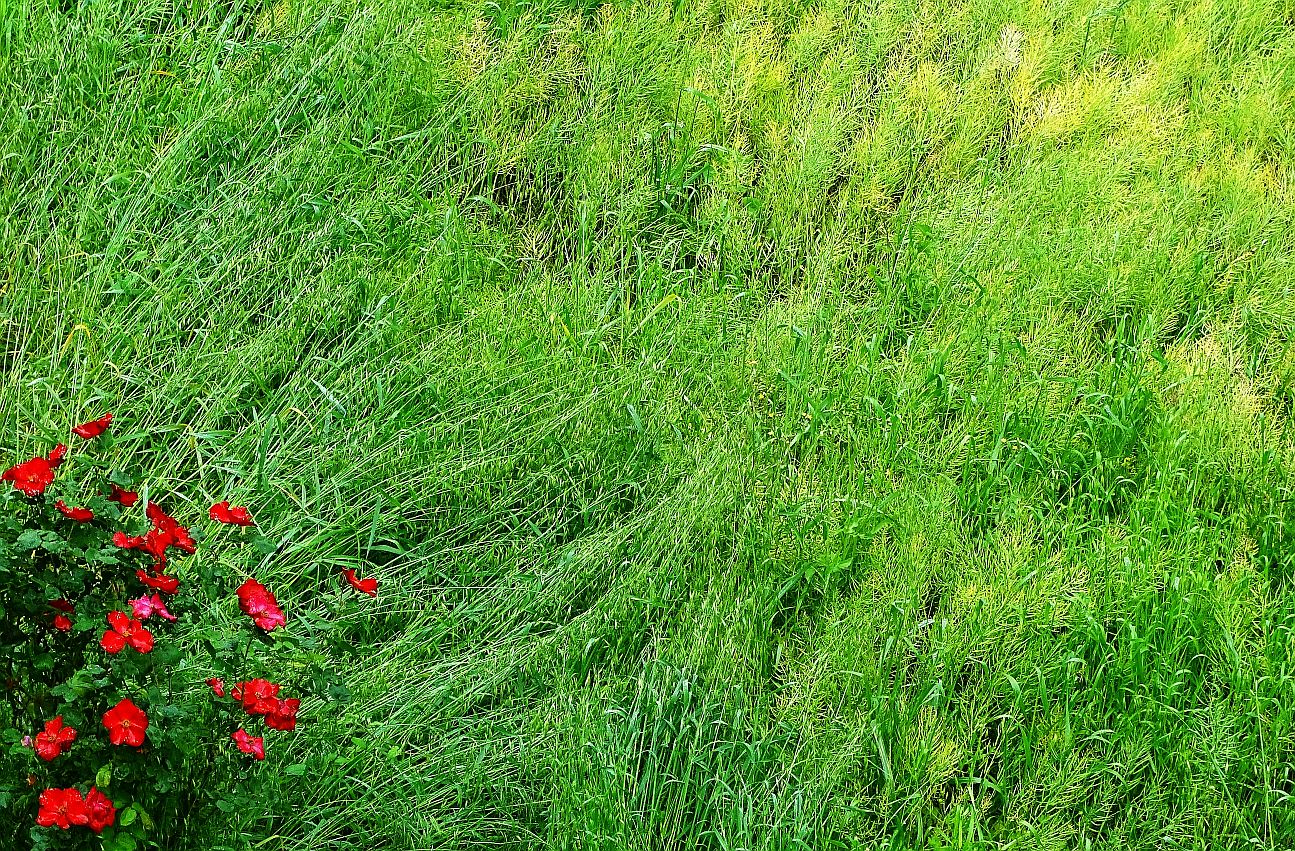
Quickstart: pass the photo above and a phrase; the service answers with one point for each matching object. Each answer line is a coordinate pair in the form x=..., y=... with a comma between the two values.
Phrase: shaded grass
x=774, y=424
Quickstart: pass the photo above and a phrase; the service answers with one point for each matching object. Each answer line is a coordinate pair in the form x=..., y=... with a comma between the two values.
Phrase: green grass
x=775, y=424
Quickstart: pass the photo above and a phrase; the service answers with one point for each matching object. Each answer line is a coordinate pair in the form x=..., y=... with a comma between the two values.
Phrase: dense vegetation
x=774, y=423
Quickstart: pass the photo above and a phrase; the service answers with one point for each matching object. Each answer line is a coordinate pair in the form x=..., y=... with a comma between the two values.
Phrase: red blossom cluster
x=126, y=723
x=65, y=807
x=261, y=697
x=167, y=533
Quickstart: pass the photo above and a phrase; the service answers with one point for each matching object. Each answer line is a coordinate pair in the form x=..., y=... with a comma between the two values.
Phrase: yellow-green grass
x=778, y=425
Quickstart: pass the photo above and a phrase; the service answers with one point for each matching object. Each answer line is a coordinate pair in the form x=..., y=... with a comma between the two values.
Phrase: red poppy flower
x=62, y=623
x=254, y=745
x=80, y=515
x=61, y=808
x=145, y=607
x=258, y=696
x=165, y=584
x=364, y=586
x=99, y=810
x=259, y=604
x=284, y=715
x=30, y=477
x=234, y=515
x=217, y=686
x=125, y=631
x=55, y=739
x=126, y=724
x=94, y=428
x=125, y=497
x=56, y=456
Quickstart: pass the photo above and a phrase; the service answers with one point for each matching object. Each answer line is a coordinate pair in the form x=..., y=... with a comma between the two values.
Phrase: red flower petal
x=46, y=748
x=258, y=696
x=54, y=740
x=365, y=586
x=125, y=631
x=159, y=518
x=94, y=428
x=217, y=686
x=80, y=515
x=113, y=642
x=141, y=639
x=183, y=541
x=127, y=542
x=237, y=515
x=125, y=497
x=155, y=543
x=165, y=584
x=166, y=532
x=56, y=456
x=65, y=735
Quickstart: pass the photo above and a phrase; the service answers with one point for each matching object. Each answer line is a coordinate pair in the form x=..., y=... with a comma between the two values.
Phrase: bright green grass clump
x=775, y=424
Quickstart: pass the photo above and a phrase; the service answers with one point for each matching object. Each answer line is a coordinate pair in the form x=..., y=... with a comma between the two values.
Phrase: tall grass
x=774, y=423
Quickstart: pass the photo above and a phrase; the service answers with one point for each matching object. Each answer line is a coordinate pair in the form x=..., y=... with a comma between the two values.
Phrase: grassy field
x=775, y=424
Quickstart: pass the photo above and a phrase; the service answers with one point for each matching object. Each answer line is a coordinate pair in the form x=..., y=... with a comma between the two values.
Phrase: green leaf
x=264, y=545
x=120, y=842
x=28, y=540
x=102, y=779
x=52, y=543
x=295, y=770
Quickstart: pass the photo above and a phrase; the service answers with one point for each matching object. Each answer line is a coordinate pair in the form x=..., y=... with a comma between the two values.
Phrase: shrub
x=121, y=727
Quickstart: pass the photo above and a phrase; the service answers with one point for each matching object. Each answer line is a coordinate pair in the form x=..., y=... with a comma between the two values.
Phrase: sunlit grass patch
x=788, y=424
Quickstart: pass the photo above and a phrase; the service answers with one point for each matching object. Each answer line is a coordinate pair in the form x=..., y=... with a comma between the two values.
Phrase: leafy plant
x=110, y=729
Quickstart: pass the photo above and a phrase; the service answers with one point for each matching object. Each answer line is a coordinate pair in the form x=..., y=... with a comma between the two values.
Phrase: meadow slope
x=775, y=424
